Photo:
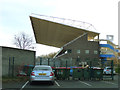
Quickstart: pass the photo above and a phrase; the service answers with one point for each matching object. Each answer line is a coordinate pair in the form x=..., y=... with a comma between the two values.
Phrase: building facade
x=14, y=59
x=108, y=51
x=78, y=45
x=80, y=50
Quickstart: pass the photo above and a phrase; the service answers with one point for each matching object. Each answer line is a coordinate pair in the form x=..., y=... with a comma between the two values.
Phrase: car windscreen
x=42, y=68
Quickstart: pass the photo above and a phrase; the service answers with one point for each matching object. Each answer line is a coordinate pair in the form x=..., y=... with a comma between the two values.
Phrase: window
x=78, y=51
x=87, y=51
x=69, y=51
x=95, y=52
x=42, y=68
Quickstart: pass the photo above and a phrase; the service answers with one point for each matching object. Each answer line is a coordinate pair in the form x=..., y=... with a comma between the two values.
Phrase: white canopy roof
x=56, y=34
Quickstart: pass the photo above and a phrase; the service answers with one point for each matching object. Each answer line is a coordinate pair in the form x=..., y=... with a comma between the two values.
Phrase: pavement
x=106, y=83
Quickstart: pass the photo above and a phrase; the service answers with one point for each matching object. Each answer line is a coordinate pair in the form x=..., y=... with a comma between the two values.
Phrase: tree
x=23, y=41
x=50, y=55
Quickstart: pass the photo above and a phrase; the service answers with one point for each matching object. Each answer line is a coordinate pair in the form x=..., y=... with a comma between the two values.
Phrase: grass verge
x=6, y=79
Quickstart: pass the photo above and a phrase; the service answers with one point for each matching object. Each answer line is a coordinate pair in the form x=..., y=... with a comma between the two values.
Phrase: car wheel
x=52, y=83
x=31, y=82
x=105, y=73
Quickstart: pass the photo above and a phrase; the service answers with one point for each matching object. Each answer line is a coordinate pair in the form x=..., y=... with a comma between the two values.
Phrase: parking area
x=106, y=83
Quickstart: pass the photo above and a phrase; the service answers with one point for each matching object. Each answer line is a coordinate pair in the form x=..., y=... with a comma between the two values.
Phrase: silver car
x=42, y=73
x=107, y=70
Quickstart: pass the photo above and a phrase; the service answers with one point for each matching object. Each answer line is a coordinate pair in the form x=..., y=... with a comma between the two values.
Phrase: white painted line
x=85, y=83
x=110, y=82
x=57, y=83
x=24, y=85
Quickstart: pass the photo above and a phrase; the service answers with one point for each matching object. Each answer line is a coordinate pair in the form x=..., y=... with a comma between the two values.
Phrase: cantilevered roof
x=56, y=34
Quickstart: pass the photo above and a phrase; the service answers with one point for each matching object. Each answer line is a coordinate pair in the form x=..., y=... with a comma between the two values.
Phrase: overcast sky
x=14, y=17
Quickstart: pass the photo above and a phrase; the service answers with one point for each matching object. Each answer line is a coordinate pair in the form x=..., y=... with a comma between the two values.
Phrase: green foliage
x=14, y=79
x=117, y=70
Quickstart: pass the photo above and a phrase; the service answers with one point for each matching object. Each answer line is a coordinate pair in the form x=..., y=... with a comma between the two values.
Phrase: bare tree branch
x=23, y=41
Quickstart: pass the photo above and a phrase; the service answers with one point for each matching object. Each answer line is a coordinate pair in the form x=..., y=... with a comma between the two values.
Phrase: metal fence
x=86, y=64
x=13, y=70
x=55, y=62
